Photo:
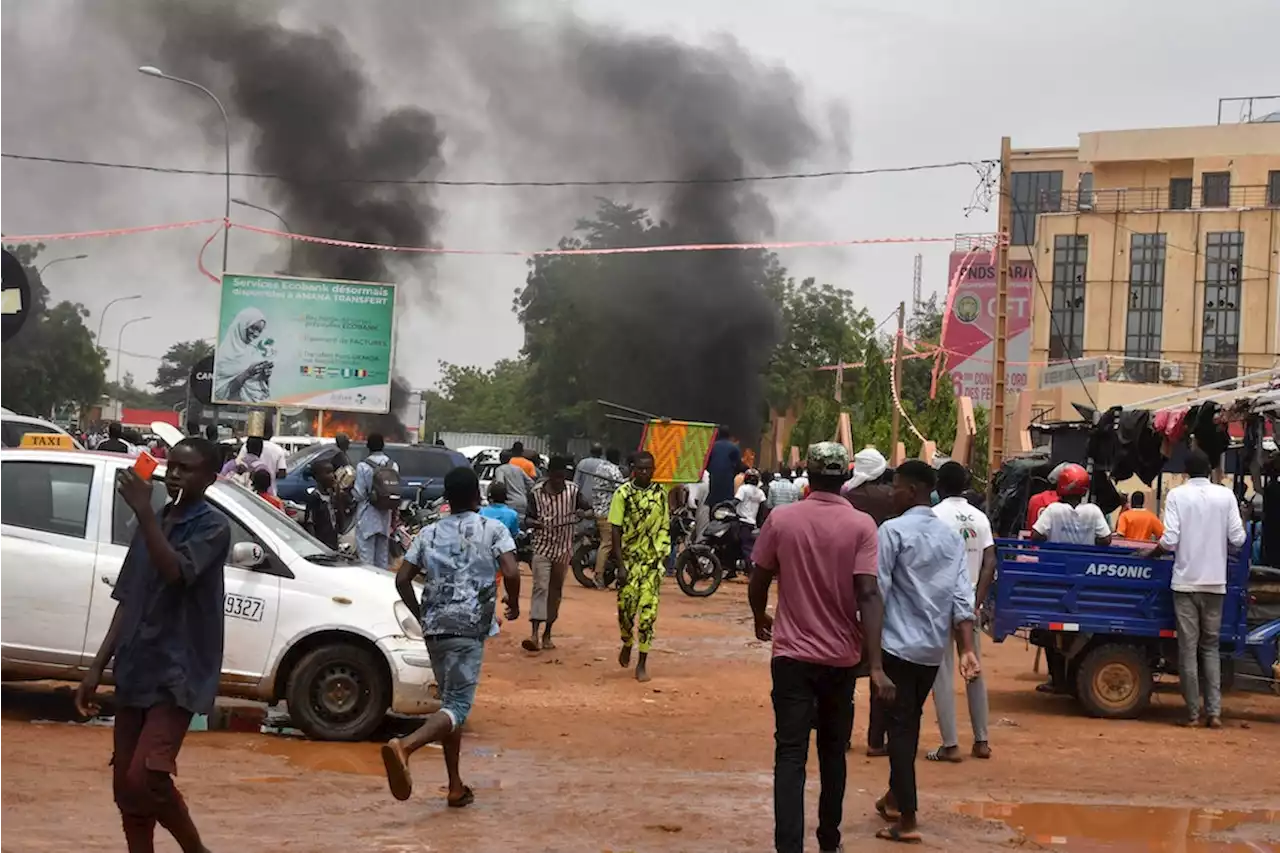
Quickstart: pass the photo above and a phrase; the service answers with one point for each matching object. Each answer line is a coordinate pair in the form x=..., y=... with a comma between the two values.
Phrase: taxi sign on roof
x=48, y=441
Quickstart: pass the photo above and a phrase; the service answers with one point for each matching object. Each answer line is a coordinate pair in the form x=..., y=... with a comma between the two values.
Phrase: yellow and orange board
x=680, y=449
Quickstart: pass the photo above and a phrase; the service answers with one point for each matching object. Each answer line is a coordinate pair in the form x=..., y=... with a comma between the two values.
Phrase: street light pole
x=244, y=203
x=47, y=264
x=152, y=71
x=120, y=343
x=103, y=315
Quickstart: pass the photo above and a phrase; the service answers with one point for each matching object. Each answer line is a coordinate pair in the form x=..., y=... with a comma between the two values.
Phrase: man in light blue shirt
x=373, y=525
x=459, y=558
x=928, y=601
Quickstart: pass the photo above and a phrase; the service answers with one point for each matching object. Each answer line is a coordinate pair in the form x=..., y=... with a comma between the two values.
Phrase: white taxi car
x=303, y=623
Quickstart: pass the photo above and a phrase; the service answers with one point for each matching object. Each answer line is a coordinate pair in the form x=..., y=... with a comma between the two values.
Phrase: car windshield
x=243, y=502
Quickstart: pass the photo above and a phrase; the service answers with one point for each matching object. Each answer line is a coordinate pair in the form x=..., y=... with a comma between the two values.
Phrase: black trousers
x=876, y=724
x=902, y=721
x=801, y=689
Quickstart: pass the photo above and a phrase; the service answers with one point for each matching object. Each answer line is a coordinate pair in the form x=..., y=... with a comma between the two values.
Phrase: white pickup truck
x=303, y=623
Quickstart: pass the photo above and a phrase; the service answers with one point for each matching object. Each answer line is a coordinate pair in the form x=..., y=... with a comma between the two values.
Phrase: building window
x=1273, y=188
x=1215, y=189
x=1180, y=194
x=1146, y=307
x=1066, y=315
x=1084, y=192
x=1220, y=347
x=1033, y=193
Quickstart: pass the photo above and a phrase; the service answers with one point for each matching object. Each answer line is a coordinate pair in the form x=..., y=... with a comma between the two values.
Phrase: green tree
x=871, y=405
x=474, y=399
x=175, y=370
x=821, y=326
x=130, y=395
x=53, y=360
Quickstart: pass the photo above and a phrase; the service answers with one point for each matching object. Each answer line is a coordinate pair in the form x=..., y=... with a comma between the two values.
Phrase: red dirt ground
x=568, y=753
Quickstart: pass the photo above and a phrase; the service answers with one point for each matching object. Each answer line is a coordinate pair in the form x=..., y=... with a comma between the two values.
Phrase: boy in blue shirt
x=499, y=511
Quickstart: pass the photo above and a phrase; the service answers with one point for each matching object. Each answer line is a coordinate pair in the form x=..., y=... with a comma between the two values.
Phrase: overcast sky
x=940, y=82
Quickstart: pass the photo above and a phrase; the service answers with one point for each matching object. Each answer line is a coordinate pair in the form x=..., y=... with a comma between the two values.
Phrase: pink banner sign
x=970, y=330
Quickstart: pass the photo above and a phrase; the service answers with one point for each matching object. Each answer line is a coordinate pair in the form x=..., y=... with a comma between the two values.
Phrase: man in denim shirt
x=459, y=558
x=166, y=637
x=928, y=603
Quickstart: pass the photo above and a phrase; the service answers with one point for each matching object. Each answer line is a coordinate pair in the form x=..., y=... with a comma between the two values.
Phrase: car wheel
x=338, y=692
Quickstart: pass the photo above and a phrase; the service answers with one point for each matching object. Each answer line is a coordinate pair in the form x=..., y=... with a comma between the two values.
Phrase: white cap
x=868, y=465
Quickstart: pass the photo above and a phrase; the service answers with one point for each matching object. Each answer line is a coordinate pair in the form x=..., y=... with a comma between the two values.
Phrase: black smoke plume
x=689, y=333
x=313, y=118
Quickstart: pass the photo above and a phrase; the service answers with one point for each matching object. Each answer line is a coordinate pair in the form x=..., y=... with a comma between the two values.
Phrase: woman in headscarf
x=240, y=370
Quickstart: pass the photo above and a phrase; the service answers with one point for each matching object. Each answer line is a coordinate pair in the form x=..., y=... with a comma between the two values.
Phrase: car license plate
x=244, y=607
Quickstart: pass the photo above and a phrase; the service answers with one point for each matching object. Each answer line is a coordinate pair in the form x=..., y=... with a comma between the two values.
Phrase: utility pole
x=995, y=435
x=897, y=379
x=917, y=285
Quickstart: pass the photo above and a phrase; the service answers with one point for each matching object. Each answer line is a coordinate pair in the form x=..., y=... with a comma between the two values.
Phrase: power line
x=440, y=182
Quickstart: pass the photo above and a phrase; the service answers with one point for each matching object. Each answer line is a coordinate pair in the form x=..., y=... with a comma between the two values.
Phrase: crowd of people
x=880, y=573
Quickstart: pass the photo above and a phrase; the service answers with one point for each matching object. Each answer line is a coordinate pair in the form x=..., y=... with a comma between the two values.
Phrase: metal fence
x=1174, y=197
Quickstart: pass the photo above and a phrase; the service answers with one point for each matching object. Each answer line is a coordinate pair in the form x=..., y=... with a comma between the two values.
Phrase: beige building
x=1159, y=249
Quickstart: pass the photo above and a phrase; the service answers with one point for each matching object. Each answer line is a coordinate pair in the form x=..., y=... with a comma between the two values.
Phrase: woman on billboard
x=242, y=368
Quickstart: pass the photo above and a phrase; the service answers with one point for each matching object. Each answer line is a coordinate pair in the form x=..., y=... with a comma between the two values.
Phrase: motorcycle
x=700, y=568
x=586, y=547
x=413, y=516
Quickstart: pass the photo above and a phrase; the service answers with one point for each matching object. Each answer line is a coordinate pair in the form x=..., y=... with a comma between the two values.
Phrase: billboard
x=970, y=329
x=301, y=342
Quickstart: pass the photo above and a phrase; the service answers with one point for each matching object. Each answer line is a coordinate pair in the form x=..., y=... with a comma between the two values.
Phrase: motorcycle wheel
x=584, y=567
x=698, y=572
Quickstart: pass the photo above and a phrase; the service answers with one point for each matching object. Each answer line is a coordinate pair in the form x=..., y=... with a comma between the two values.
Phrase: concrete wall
x=1225, y=141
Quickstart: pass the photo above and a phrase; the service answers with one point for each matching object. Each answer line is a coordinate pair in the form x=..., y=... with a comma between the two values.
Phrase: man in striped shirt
x=555, y=508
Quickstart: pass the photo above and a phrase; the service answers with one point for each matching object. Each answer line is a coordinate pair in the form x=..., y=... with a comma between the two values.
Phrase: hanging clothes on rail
x=1138, y=447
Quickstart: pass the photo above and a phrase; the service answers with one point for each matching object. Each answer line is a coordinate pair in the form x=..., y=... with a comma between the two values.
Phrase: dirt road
x=568, y=753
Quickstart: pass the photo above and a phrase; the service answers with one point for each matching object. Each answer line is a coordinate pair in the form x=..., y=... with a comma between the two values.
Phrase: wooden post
x=320, y=423
x=995, y=443
x=897, y=375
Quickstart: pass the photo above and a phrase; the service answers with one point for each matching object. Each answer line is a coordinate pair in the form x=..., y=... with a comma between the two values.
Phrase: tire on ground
x=1114, y=681
x=687, y=566
x=338, y=691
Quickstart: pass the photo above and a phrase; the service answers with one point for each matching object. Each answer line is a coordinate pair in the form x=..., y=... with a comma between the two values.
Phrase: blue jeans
x=456, y=663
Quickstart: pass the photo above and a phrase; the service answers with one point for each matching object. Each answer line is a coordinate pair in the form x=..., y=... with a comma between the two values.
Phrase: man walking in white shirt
x=980, y=558
x=1201, y=520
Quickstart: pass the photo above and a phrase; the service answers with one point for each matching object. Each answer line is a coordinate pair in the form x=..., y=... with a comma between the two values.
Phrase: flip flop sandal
x=981, y=750
x=529, y=645
x=468, y=797
x=936, y=755
x=888, y=814
x=892, y=833
x=398, y=778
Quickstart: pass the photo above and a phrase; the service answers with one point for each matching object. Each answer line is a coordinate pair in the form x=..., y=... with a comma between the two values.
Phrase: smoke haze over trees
x=476, y=82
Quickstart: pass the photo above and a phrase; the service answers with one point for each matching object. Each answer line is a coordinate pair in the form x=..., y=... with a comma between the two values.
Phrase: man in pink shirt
x=824, y=554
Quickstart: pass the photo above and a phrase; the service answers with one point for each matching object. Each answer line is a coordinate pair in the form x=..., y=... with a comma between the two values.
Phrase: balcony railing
x=1139, y=199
